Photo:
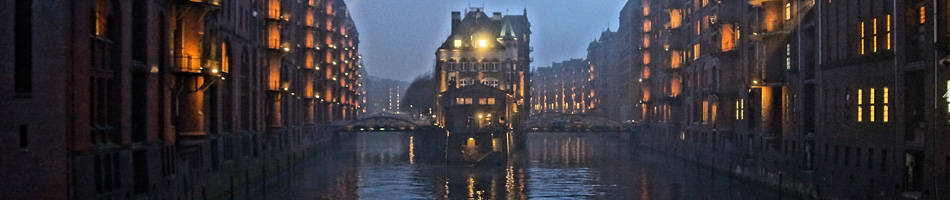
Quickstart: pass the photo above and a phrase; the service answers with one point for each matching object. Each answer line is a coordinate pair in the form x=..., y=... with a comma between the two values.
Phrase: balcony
x=276, y=17
x=195, y=65
x=758, y=3
x=201, y=3
x=275, y=45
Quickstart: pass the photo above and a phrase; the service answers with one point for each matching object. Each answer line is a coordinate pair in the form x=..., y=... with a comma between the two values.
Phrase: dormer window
x=458, y=43
x=482, y=43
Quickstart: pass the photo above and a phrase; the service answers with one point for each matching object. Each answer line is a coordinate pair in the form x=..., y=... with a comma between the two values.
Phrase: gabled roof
x=474, y=22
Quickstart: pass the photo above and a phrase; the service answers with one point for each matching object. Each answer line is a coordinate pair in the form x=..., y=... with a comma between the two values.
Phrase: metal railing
x=194, y=64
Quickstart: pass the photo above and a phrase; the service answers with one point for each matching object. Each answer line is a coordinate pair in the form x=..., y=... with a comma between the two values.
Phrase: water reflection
x=552, y=165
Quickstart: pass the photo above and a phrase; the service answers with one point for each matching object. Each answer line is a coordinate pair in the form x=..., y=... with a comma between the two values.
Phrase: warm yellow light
x=788, y=11
x=860, y=103
x=482, y=43
x=458, y=43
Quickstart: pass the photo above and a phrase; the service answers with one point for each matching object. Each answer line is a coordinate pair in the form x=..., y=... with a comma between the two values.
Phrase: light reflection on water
x=552, y=165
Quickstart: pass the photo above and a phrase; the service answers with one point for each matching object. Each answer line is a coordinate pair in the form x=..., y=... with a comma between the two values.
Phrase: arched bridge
x=383, y=122
x=566, y=122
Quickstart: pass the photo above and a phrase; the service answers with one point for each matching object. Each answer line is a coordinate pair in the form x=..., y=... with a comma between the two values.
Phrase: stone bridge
x=384, y=122
x=566, y=122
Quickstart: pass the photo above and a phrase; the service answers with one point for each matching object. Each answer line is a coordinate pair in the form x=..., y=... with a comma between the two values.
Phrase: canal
x=552, y=165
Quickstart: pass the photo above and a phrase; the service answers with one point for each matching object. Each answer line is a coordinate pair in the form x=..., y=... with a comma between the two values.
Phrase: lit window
x=788, y=56
x=738, y=110
x=482, y=101
x=491, y=101
x=459, y=100
x=860, y=103
x=888, y=32
x=861, y=44
x=742, y=108
x=871, y=101
x=482, y=43
x=874, y=33
x=676, y=18
x=788, y=11
x=647, y=25
x=705, y=111
x=646, y=57
x=458, y=43
x=696, y=51
x=698, y=27
x=923, y=14
x=100, y=18
x=885, y=106
x=468, y=100
x=646, y=40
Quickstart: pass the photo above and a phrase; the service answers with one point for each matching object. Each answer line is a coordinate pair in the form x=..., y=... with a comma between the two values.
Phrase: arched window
x=450, y=65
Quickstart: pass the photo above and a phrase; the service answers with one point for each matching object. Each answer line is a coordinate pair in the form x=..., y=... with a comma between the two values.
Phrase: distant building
x=383, y=95
x=565, y=87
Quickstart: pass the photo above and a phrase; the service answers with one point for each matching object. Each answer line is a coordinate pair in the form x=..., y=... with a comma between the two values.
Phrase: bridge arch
x=556, y=121
x=382, y=122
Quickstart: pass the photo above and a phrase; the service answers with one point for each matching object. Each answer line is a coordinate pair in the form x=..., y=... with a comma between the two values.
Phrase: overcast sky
x=398, y=38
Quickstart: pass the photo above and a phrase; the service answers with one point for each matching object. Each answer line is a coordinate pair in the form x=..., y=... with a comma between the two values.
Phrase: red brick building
x=835, y=99
x=121, y=99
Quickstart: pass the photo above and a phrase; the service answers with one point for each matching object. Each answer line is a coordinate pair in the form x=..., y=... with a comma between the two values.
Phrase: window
x=860, y=103
x=696, y=51
x=482, y=101
x=886, y=105
x=705, y=111
x=874, y=35
x=24, y=138
x=871, y=101
x=459, y=101
x=464, y=66
x=861, y=43
x=99, y=18
x=676, y=18
x=740, y=109
x=647, y=25
x=698, y=27
x=491, y=101
x=887, y=31
x=468, y=100
x=884, y=160
x=788, y=56
x=23, y=45
x=458, y=43
x=922, y=13
x=948, y=99
x=482, y=43
x=788, y=11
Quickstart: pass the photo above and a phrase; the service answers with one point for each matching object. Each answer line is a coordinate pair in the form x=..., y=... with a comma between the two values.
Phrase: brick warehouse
x=834, y=99
x=180, y=99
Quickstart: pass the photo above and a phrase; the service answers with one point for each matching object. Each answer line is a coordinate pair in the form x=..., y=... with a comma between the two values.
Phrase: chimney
x=496, y=16
x=456, y=18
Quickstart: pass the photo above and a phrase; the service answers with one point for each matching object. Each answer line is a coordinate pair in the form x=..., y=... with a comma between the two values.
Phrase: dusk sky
x=398, y=38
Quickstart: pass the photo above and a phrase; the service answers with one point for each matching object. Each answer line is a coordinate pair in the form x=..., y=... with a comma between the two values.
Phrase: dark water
x=551, y=166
